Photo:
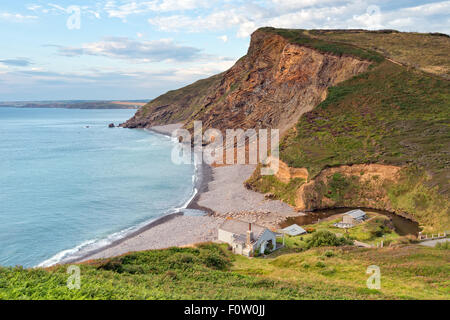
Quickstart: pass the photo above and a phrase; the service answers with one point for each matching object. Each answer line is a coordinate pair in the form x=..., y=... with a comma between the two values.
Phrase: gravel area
x=227, y=194
x=222, y=194
x=167, y=129
x=179, y=231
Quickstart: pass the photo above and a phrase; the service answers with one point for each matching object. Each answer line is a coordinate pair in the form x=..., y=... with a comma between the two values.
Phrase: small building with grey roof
x=354, y=217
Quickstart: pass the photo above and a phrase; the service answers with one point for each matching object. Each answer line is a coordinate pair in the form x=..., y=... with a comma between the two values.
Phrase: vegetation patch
x=389, y=115
x=425, y=51
x=211, y=272
x=301, y=37
x=324, y=238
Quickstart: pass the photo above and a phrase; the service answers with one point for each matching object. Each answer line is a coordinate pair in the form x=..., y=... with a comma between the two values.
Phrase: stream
x=402, y=226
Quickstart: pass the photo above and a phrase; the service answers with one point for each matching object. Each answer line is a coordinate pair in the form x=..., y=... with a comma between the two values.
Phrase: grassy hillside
x=304, y=38
x=211, y=272
x=389, y=115
x=425, y=51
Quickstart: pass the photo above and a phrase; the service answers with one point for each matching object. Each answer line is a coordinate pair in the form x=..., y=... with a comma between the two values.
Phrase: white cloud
x=135, y=50
x=34, y=7
x=122, y=11
x=310, y=14
x=219, y=20
x=224, y=38
x=16, y=17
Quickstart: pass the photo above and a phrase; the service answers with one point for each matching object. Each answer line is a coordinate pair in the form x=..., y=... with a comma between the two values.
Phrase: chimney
x=249, y=235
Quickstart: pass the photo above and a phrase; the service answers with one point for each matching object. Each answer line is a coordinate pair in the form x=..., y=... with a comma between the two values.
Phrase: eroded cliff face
x=270, y=87
x=285, y=173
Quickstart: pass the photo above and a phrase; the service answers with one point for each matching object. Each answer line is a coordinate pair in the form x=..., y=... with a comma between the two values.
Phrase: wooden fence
x=433, y=236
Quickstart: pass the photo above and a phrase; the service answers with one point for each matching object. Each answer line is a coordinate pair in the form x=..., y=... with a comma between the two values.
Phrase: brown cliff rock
x=270, y=87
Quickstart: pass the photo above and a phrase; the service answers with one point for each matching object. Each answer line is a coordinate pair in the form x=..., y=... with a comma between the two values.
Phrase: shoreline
x=220, y=194
x=203, y=176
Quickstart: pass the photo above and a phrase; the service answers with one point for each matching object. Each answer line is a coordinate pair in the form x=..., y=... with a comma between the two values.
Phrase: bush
x=310, y=230
x=320, y=264
x=329, y=254
x=324, y=238
x=112, y=265
x=215, y=260
x=181, y=261
x=380, y=231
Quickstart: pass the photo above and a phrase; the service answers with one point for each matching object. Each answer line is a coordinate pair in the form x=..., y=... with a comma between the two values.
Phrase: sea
x=70, y=184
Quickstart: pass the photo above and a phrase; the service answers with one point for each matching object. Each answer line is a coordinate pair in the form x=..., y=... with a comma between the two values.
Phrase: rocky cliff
x=271, y=87
x=357, y=129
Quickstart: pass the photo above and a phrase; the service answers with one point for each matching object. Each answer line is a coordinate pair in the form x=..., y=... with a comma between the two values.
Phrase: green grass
x=376, y=229
x=424, y=51
x=301, y=37
x=211, y=272
x=387, y=115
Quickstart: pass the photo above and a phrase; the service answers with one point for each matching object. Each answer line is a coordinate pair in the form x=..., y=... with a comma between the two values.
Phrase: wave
x=90, y=246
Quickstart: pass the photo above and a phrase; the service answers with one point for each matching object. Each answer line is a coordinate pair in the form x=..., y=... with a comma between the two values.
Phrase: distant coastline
x=77, y=104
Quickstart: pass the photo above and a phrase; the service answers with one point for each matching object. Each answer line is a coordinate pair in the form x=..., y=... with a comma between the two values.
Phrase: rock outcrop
x=270, y=87
x=286, y=173
x=359, y=185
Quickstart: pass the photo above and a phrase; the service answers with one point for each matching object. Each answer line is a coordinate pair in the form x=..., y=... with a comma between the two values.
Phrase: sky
x=124, y=49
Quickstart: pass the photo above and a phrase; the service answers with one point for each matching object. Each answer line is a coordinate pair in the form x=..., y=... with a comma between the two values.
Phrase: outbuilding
x=354, y=217
x=293, y=230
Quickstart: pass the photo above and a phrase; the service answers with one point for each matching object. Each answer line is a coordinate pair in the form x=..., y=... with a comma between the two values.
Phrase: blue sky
x=127, y=49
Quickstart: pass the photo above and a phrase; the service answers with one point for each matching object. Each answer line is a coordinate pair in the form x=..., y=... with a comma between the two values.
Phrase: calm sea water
x=64, y=187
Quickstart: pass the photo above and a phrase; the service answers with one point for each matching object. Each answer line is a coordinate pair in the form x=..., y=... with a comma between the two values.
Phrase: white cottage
x=246, y=238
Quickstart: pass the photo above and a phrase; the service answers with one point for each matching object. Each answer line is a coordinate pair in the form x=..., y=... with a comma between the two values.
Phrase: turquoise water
x=65, y=187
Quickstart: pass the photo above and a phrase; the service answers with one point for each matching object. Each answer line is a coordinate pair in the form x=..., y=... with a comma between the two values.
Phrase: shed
x=293, y=230
x=354, y=217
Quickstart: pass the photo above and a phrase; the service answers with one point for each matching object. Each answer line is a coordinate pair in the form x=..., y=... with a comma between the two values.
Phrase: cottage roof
x=240, y=228
x=294, y=230
x=356, y=214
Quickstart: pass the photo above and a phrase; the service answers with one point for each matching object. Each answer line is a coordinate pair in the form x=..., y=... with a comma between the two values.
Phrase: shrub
x=310, y=230
x=112, y=265
x=215, y=260
x=326, y=238
x=320, y=264
x=329, y=254
x=181, y=260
